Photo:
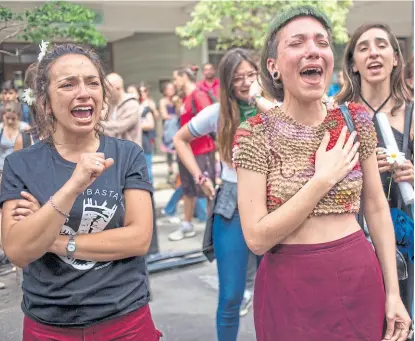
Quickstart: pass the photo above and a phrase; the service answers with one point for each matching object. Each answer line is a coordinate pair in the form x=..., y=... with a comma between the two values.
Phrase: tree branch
x=9, y=53
x=11, y=35
x=10, y=26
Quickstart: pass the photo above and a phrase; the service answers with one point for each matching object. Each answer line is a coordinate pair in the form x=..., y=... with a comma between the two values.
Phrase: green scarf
x=245, y=111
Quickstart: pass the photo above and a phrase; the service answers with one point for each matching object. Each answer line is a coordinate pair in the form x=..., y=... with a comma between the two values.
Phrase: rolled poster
x=405, y=188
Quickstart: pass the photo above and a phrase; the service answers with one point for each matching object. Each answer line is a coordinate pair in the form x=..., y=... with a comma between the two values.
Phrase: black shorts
x=206, y=163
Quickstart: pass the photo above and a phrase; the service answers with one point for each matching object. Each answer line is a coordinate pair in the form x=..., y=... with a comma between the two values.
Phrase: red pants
x=330, y=291
x=135, y=326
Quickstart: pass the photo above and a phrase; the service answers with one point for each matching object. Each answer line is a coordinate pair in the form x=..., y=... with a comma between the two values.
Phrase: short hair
x=12, y=106
x=9, y=85
x=276, y=88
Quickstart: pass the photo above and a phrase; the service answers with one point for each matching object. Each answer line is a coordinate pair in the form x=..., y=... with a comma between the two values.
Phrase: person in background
x=148, y=114
x=147, y=101
x=10, y=94
x=336, y=86
x=203, y=148
x=237, y=72
x=210, y=84
x=133, y=91
x=10, y=129
x=301, y=173
x=33, y=135
x=375, y=78
x=123, y=112
x=169, y=107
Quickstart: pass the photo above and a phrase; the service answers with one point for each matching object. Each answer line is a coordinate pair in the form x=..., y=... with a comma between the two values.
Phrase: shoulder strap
x=407, y=129
x=405, y=144
x=350, y=125
x=26, y=139
x=127, y=100
x=348, y=119
x=194, y=109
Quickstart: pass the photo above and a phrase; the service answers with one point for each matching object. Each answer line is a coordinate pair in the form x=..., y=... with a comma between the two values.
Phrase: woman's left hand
x=397, y=319
x=404, y=173
x=25, y=207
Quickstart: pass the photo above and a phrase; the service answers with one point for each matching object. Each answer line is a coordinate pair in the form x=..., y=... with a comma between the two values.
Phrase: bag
x=171, y=127
x=207, y=244
x=402, y=266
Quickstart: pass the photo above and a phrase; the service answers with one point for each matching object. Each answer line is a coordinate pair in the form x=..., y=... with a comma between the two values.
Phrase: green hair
x=275, y=88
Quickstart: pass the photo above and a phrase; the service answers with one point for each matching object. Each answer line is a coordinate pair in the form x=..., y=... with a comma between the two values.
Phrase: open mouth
x=83, y=113
x=312, y=74
x=375, y=66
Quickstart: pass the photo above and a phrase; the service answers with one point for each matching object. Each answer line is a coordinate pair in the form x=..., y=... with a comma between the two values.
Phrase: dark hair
x=229, y=110
x=165, y=85
x=271, y=86
x=351, y=89
x=9, y=85
x=12, y=106
x=44, y=120
x=189, y=71
x=208, y=63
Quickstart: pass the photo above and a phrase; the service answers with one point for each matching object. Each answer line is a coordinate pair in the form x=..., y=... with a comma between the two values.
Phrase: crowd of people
x=302, y=189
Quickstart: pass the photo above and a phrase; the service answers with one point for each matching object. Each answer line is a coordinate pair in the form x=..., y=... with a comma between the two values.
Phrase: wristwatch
x=71, y=246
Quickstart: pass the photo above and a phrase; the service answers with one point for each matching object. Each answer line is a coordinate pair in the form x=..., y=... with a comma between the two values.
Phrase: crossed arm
x=36, y=230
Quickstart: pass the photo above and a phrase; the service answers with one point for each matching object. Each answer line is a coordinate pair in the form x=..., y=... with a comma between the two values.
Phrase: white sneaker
x=171, y=219
x=181, y=233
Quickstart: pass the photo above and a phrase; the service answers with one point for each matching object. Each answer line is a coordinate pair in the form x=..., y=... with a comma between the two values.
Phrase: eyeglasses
x=239, y=80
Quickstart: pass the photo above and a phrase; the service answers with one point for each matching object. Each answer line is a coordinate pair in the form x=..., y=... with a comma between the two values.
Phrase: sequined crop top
x=284, y=150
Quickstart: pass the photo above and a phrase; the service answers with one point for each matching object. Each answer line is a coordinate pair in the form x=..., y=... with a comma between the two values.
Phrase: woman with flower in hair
x=301, y=173
x=375, y=77
x=83, y=250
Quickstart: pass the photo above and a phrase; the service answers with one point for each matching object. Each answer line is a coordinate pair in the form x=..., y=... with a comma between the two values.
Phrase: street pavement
x=184, y=299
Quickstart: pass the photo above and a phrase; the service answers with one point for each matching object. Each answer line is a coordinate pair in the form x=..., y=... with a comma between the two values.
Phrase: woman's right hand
x=89, y=167
x=333, y=165
x=383, y=165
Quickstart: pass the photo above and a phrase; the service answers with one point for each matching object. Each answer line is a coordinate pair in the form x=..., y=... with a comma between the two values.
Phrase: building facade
x=143, y=45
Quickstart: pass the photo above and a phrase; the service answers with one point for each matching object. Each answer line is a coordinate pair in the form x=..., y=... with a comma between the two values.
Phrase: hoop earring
x=275, y=75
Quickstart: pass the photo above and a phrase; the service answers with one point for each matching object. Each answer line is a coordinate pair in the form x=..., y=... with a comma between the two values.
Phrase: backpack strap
x=26, y=139
x=194, y=109
x=351, y=126
x=409, y=108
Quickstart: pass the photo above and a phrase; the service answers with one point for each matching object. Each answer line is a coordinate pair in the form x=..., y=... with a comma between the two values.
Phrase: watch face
x=71, y=248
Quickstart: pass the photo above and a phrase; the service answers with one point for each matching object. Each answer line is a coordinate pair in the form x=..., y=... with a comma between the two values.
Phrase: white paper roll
x=405, y=188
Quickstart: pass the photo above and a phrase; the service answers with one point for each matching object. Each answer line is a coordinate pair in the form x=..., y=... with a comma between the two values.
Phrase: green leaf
x=245, y=23
x=55, y=20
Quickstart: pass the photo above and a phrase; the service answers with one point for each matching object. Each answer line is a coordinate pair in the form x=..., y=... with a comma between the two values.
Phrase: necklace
x=375, y=111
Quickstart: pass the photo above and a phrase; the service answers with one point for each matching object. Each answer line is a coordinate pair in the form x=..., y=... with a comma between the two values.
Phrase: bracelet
x=58, y=209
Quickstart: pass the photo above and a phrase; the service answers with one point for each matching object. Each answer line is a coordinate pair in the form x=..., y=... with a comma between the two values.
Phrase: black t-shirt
x=67, y=292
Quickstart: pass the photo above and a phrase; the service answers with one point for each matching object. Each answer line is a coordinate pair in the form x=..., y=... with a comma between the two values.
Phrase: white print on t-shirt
x=95, y=218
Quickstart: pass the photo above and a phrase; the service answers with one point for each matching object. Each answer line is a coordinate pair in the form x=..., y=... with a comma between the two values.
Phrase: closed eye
x=67, y=85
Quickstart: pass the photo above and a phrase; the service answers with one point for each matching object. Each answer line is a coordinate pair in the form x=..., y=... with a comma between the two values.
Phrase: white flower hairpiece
x=43, y=49
x=29, y=96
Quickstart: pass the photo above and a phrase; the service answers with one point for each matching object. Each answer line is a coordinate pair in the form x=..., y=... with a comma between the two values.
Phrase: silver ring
x=97, y=163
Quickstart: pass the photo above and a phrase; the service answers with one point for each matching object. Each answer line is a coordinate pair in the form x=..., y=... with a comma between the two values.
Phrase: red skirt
x=330, y=291
x=135, y=326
